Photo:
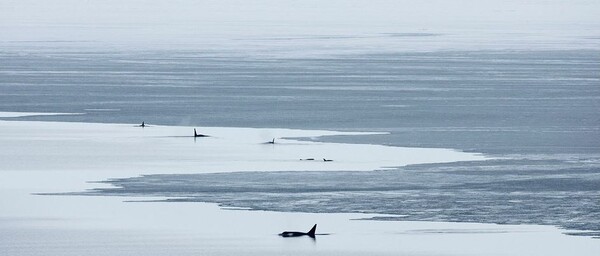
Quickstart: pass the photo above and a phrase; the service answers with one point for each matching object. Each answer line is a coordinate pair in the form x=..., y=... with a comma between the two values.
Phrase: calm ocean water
x=484, y=101
x=537, y=109
x=518, y=81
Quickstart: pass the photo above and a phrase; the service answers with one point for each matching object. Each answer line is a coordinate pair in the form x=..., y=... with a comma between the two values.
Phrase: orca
x=327, y=160
x=198, y=135
x=307, y=159
x=271, y=142
x=143, y=124
x=310, y=233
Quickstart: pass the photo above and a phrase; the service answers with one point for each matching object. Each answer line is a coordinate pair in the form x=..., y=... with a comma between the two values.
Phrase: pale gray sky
x=192, y=21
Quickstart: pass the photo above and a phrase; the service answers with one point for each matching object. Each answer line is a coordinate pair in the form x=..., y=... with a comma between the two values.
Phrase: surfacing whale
x=310, y=233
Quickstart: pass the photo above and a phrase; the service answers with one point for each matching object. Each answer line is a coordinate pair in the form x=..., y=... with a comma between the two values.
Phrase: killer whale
x=310, y=233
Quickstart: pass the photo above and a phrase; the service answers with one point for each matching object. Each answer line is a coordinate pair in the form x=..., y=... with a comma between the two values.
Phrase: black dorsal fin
x=312, y=231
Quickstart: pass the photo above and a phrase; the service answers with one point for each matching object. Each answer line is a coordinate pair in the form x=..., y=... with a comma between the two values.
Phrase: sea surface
x=498, y=102
x=535, y=111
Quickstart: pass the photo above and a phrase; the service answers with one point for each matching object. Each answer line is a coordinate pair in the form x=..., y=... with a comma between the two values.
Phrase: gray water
x=537, y=109
x=497, y=191
x=483, y=101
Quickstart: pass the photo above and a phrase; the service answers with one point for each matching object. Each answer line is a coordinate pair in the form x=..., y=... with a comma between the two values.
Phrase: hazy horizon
x=285, y=25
